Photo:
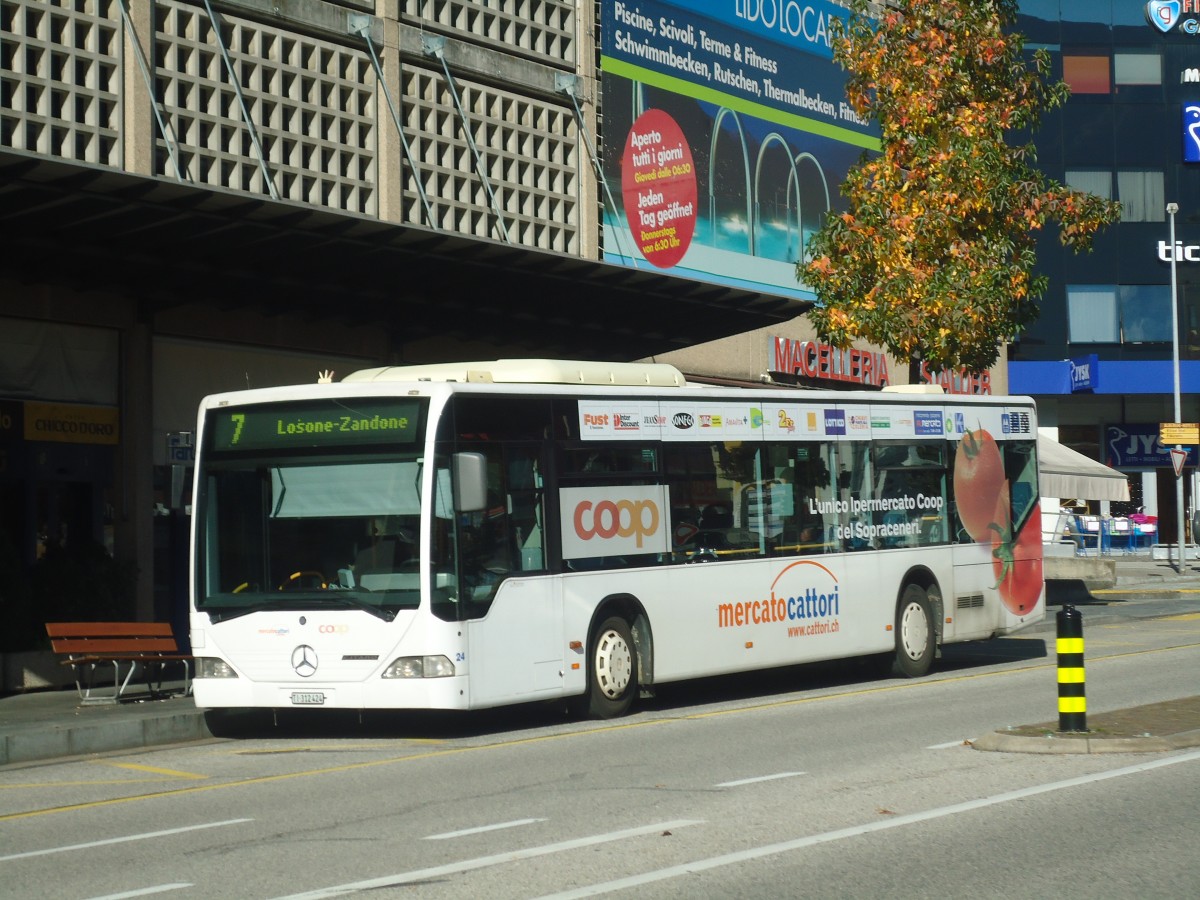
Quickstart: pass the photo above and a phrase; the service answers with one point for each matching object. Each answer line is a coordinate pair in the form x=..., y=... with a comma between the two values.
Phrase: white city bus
x=470, y=535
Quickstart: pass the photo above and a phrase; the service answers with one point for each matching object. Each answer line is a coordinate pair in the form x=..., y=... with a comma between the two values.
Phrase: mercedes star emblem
x=304, y=661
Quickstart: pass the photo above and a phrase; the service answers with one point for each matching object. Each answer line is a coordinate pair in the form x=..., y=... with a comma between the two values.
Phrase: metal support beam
x=436, y=46
x=569, y=85
x=361, y=25
x=237, y=87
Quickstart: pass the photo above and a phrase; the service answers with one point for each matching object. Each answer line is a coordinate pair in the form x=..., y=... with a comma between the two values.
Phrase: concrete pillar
x=390, y=162
x=138, y=130
x=134, y=514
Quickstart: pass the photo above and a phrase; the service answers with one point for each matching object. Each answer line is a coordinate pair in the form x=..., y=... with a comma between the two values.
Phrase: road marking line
x=146, y=892
x=122, y=840
x=468, y=865
x=742, y=781
x=480, y=829
x=155, y=770
x=704, y=865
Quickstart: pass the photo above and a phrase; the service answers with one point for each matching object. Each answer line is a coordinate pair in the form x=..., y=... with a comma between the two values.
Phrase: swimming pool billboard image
x=726, y=137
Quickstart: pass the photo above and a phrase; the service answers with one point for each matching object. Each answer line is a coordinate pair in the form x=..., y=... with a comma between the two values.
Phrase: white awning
x=1065, y=473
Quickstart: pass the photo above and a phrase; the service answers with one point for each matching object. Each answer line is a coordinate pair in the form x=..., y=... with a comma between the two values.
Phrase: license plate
x=308, y=698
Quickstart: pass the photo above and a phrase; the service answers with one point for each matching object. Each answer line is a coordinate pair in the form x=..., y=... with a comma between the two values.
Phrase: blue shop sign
x=1085, y=373
x=1136, y=446
x=1191, y=142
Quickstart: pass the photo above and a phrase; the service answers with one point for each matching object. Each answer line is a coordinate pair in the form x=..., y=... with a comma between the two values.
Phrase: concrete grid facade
x=471, y=129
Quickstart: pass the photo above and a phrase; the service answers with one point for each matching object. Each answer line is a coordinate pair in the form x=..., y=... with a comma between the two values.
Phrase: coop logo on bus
x=927, y=421
x=805, y=598
x=611, y=520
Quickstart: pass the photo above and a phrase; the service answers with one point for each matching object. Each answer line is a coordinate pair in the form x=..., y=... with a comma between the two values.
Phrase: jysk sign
x=1085, y=373
x=1137, y=446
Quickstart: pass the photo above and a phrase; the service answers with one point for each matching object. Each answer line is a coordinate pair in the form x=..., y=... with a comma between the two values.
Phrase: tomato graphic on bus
x=983, y=495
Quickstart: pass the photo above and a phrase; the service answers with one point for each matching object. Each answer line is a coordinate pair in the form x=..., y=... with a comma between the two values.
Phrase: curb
x=1054, y=743
x=78, y=739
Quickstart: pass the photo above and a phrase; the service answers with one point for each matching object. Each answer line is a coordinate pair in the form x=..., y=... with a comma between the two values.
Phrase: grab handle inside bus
x=470, y=482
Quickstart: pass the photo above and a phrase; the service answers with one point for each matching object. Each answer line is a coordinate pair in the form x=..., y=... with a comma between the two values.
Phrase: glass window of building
x=1093, y=314
x=1142, y=195
x=1137, y=68
x=1091, y=181
x=1087, y=74
x=1145, y=313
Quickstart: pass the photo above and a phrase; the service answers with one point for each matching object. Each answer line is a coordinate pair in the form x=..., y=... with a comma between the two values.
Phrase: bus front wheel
x=915, y=634
x=612, y=670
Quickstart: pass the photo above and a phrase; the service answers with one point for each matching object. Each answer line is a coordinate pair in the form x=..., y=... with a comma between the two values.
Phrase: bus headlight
x=419, y=667
x=211, y=667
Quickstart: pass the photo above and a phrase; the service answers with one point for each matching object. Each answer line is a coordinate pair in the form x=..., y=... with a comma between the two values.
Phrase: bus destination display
x=328, y=423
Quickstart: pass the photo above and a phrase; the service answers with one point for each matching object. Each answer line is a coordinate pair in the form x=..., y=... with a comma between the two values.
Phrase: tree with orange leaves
x=934, y=257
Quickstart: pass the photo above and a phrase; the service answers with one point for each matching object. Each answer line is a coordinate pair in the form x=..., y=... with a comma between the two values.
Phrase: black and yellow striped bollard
x=1072, y=699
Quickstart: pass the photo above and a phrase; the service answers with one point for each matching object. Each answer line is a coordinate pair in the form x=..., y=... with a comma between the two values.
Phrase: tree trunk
x=914, y=368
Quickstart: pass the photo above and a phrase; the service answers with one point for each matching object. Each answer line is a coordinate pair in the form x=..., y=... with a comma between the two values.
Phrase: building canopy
x=167, y=245
x=1065, y=473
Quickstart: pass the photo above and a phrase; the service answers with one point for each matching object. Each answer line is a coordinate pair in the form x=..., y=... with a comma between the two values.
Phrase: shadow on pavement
x=1074, y=591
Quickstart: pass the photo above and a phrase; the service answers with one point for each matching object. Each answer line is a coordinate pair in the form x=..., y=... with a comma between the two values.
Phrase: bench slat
x=114, y=645
x=89, y=644
x=109, y=629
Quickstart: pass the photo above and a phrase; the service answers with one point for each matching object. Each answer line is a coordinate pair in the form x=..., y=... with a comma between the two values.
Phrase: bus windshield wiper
x=347, y=598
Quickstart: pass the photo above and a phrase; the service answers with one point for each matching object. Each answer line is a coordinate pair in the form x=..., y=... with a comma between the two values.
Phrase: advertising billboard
x=727, y=136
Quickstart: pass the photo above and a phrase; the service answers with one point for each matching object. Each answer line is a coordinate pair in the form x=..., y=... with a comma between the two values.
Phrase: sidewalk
x=46, y=725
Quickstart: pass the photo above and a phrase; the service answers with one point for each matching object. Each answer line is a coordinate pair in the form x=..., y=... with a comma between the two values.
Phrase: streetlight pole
x=1173, y=208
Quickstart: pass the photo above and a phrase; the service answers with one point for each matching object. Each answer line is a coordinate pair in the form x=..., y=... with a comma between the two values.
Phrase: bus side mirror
x=470, y=482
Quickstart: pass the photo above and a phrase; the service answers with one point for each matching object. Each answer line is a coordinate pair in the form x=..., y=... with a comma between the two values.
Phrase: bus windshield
x=308, y=526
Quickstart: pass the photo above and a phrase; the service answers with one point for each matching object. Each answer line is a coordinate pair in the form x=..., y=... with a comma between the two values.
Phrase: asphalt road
x=808, y=782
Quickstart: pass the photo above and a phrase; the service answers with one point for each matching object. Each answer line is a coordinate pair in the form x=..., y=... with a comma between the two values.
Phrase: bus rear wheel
x=915, y=635
x=612, y=670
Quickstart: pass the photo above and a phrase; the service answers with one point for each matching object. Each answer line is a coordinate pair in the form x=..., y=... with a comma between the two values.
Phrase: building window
x=1087, y=74
x=1137, y=68
x=1145, y=313
x=1142, y=196
x=1125, y=313
x=1091, y=182
x=1092, y=314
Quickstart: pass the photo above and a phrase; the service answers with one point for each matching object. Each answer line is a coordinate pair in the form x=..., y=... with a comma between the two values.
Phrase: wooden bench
x=148, y=646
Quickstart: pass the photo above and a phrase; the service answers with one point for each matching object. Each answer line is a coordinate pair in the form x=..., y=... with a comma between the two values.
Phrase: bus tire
x=915, y=635
x=612, y=670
